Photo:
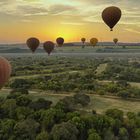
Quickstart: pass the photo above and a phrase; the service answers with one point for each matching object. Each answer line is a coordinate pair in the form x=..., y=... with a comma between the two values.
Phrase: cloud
x=31, y=10
x=26, y=20
x=59, y=9
x=85, y=10
x=132, y=30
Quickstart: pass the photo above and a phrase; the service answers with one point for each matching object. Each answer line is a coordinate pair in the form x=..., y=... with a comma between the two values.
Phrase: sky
x=71, y=19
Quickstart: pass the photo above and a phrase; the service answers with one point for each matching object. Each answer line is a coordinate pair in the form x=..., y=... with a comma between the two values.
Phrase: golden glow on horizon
x=66, y=33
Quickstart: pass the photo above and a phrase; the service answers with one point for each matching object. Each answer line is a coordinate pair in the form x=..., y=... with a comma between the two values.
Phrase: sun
x=65, y=33
x=68, y=33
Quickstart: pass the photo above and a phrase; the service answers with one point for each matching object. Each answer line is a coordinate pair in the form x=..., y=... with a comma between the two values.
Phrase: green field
x=98, y=103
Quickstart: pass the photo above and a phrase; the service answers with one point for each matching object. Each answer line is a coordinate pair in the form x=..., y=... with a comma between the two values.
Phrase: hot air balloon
x=115, y=40
x=33, y=43
x=93, y=41
x=5, y=71
x=111, y=16
x=60, y=41
x=48, y=46
x=83, y=41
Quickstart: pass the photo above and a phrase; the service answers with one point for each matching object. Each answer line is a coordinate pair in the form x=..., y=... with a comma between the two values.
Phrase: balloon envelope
x=48, y=46
x=111, y=16
x=83, y=40
x=115, y=40
x=33, y=43
x=5, y=71
x=93, y=41
x=60, y=41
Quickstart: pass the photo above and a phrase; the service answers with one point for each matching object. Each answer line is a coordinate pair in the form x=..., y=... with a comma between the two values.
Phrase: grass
x=133, y=84
x=101, y=104
x=4, y=93
x=98, y=103
x=101, y=68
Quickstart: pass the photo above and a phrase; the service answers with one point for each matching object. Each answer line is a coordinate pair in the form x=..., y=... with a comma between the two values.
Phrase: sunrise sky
x=71, y=19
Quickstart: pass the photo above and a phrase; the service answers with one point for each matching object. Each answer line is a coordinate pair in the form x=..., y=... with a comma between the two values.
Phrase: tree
x=131, y=115
x=71, y=115
x=101, y=122
x=26, y=129
x=6, y=129
x=123, y=134
x=112, y=88
x=23, y=112
x=80, y=124
x=13, y=95
x=93, y=135
x=23, y=100
x=8, y=108
x=20, y=83
x=116, y=126
x=115, y=113
x=137, y=134
x=108, y=134
x=123, y=83
x=64, y=131
x=67, y=104
x=42, y=136
x=40, y=104
x=54, y=85
x=50, y=117
x=81, y=99
x=124, y=94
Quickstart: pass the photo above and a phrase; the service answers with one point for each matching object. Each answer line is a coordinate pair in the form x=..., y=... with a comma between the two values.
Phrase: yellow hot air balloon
x=115, y=40
x=83, y=40
x=93, y=41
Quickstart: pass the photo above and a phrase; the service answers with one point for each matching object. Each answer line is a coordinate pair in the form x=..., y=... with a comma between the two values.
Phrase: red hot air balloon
x=60, y=41
x=48, y=46
x=111, y=16
x=33, y=43
x=5, y=71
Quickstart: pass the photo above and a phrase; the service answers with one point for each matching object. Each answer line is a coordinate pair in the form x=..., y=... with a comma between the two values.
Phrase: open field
x=98, y=103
